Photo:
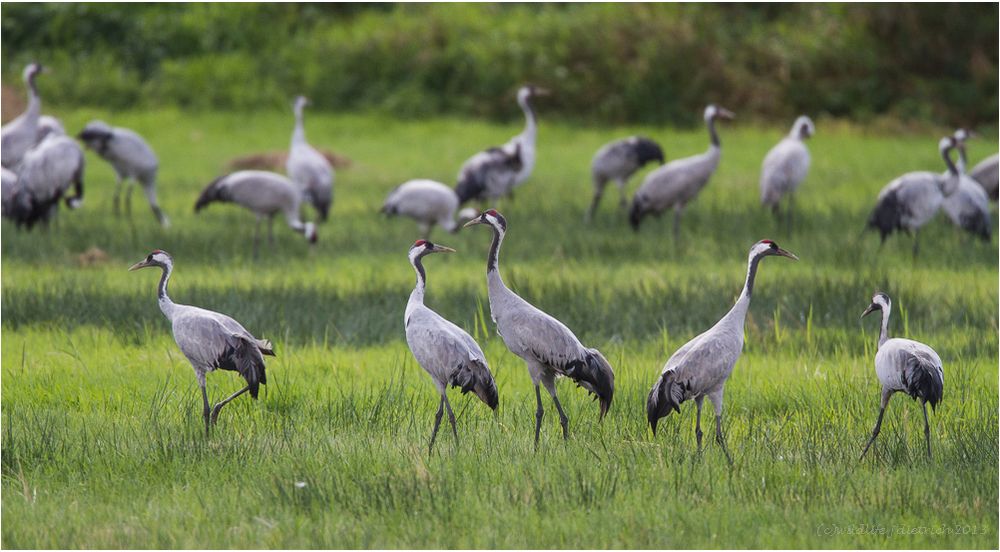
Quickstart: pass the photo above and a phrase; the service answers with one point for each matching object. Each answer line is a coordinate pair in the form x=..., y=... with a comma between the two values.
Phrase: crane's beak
x=442, y=249
x=138, y=265
x=543, y=92
x=726, y=114
x=871, y=308
x=788, y=254
x=473, y=222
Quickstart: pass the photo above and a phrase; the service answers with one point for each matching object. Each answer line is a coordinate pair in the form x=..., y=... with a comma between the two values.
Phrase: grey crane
x=445, y=351
x=677, y=183
x=985, y=173
x=968, y=207
x=701, y=366
x=618, y=161
x=263, y=193
x=15, y=201
x=309, y=168
x=904, y=365
x=47, y=124
x=547, y=346
x=911, y=201
x=210, y=340
x=786, y=166
x=428, y=202
x=132, y=159
x=44, y=175
x=494, y=173
x=19, y=135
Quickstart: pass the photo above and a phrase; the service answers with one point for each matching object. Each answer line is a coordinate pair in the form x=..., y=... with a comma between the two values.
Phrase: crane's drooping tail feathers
x=922, y=380
x=244, y=356
x=667, y=394
x=213, y=192
x=647, y=150
x=475, y=376
x=977, y=225
x=887, y=215
x=594, y=373
x=470, y=185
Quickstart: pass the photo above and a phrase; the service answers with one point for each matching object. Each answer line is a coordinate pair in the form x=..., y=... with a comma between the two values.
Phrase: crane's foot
x=215, y=413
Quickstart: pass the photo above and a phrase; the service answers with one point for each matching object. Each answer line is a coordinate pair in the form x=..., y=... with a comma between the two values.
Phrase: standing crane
x=132, y=159
x=428, y=202
x=19, y=135
x=548, y=347
x=904, y=365
x=309, y=168
x=494, y=173
x=968, y=207
x=618, y=161
x=210, y=340
x=786, y=166
x=911, y=201
x=442, y=349
x=677, y=183
x=44, y=175
x=701, y=367
x=263, y=193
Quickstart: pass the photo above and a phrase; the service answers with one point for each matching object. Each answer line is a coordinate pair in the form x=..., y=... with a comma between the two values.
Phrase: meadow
x=102, y=439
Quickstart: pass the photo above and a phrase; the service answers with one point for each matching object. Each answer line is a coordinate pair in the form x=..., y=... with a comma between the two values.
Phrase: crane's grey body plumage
x=904, y=365
x=701, y=367
x=210, y=340
x=21, y=134
x=985, y=173
x=968, y=207
x=45, y=173
x=677, y=183
x=309, y=168
x=263, y=193
x=546, y=345
x=132, y=159
x=618, y=161
x=786, y=165
x=426, y=201
x=446, y=352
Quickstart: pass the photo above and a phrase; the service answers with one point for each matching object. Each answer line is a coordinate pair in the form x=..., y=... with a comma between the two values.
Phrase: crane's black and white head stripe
x=880, y=302
x=716, y=112
x=804, y=128
x=158, y=258
x=31, y=70
x=530, y=91
x=492, y=218
x=765, y=248
x=425, y=247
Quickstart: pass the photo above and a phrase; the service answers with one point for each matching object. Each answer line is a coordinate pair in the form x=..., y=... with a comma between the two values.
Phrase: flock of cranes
x=41, y=164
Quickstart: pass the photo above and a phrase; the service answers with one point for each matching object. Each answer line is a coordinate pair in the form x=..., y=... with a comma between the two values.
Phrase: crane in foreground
x=210, y=340
x=786, y=166
x=547, y=346
x=263, y=193
x=309, y=168
x=19, y=135
x=701, y=366
x=677, y=183
x=904, y=365
x=428, y=202
x=442, y=349
x=618, y=161
x=131, y=158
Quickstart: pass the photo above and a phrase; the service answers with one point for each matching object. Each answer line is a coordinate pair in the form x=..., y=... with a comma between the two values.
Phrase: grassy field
x=101, y=429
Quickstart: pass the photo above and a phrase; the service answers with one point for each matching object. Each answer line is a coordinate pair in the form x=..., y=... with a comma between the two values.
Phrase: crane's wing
x=213, y=340
x=783, y=169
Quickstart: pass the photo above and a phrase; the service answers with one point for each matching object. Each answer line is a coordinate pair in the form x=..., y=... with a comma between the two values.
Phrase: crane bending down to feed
x=19, y=135
x=677, y=183
x=210, y=340
x=968, y=208
x=547, y=346
x=131, y=158
x=444, y=350
x=428, y=202
x=904, y=365
x=911, y=201
x=618, y=161
x=786, y=166
x=701, y=367
x=495, y=172
x=309, y=168
x=263, y=193
x=44, y=175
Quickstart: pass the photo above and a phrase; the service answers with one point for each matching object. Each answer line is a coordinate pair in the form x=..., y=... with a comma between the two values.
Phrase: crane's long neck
x=951, y=179
x=737, y=315
x=166, y=304
x=883, y=334
x=34, y=101
x=712, y=135
x=530, y=124
x=961, y=160
x=417, y=295
x=493, y=280
x=299, y=133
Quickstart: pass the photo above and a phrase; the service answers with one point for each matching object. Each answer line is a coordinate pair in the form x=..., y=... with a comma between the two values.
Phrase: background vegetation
x=648, y=63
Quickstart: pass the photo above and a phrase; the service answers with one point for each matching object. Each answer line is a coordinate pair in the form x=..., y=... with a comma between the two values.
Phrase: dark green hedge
x=607, y=62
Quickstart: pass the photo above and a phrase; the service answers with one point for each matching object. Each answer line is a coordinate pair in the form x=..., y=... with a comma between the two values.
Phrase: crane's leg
x=927, y=429
x=716, y=399
x=128, y=198
x=204, y=399
x=256, y=237
x=150, y=190
x=916, y=243
x=115, y=201
x=622, y=200
x=598, y=192
x=697, y=426
x=550, y=386
x=218, y=407
x=270, y=230
x=425, y=230
x=538, y=413
x=451, y=417
x=878, y=423
x=678, y=210
x=437, y=424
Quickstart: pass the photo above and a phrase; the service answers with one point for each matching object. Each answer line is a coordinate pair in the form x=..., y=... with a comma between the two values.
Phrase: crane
x=968, y=207
x=44, y=175
x=618, y=161
x=210, y=340
x=309, y=168
x=428, y=202
x=19, y=135
x=786, y=166
x=677, y=183
x=701, y=366
x=904, y=365
x=263, y=193
x=546, y=345
x=985, y=173
x=131, y=158
x=445, y=351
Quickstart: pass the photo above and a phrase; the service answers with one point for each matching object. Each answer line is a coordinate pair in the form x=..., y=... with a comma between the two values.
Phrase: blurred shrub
x=607, y=62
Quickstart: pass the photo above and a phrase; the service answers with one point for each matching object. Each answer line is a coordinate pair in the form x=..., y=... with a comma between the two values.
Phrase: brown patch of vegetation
x=275, y=161
x=93, y=256
x=12, y=102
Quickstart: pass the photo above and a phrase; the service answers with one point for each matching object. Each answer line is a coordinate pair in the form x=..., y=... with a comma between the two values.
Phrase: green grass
x=101, y=430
